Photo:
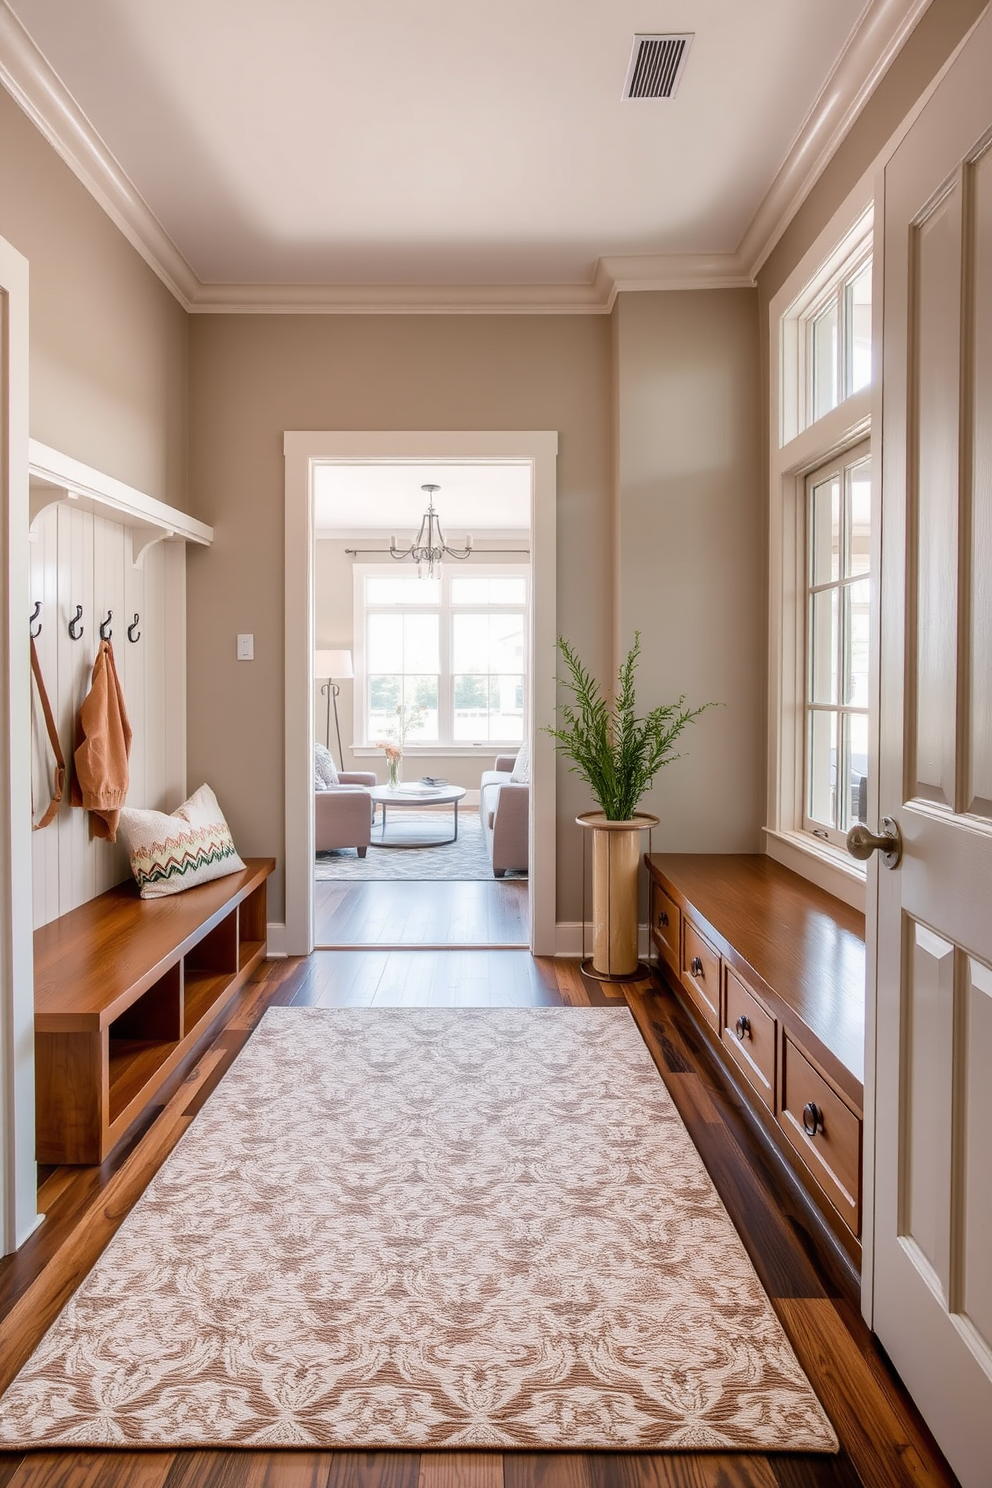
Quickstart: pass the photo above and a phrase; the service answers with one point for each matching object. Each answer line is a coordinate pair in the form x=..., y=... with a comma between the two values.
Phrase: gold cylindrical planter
x=615, y=861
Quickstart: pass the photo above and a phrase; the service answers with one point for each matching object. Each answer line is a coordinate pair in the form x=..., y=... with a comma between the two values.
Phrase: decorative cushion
x=520, y=774
x=325, y=771
x=172, y=853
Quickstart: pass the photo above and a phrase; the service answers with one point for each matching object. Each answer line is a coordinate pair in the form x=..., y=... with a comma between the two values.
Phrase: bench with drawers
x=773, y=969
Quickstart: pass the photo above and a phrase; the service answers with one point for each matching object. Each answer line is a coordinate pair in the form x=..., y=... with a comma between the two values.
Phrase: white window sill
x=439, y=751
x=829, y=867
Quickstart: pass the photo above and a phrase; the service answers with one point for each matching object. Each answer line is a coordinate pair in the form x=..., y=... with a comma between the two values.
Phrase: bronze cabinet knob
x=696, y=967
x=812, y=1119
x=743, y=1027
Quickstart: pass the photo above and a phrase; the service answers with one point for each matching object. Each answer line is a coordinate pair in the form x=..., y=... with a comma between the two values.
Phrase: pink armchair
x=343, y=813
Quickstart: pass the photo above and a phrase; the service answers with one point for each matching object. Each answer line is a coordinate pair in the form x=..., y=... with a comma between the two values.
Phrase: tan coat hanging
x=103, y=745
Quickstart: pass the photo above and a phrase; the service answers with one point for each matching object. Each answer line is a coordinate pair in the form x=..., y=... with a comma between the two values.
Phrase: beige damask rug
x=420, y=1229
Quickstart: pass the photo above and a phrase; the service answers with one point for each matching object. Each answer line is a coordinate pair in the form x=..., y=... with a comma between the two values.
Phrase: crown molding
x=645, y=271
x=871, y=49
x=40, y=92
x=35, y=86
x=400, y=299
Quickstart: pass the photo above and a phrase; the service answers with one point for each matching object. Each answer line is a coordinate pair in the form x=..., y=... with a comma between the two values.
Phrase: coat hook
x=34, y=616
x=105, y=631
x=134, y=627
x=75, y=629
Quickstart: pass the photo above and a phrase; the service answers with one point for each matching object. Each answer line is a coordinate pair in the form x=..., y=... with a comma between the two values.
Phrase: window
x=442, y=661
x=838, y=604
x=822, y=605
x=837, y=338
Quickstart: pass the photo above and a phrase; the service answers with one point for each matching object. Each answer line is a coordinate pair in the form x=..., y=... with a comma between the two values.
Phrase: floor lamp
x=331, y=664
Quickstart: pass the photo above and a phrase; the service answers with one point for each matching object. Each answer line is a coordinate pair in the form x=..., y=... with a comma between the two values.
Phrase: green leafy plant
x=616, y=753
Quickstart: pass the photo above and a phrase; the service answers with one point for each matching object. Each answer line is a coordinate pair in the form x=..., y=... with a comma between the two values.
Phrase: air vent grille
x=656, y=66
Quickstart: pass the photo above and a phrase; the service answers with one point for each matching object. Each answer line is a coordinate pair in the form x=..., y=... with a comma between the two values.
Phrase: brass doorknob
x=861, y=843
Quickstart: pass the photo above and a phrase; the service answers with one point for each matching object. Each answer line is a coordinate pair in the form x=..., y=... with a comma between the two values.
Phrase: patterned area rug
x=465, y=860
x=423, y=1229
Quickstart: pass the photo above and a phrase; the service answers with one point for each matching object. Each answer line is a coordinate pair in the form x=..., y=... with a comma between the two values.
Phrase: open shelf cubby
x=124, y=990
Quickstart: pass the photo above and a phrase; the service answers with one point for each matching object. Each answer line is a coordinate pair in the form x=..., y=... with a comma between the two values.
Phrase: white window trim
x=795, y=452
x=362, y=745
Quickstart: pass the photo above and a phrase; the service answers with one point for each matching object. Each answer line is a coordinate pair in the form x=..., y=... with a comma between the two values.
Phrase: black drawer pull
x=696, y=967
x=812, y=1119
x=743, y=1027
x=663, y=918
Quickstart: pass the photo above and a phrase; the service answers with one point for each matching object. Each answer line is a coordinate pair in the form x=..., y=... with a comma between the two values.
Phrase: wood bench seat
x=124, y=989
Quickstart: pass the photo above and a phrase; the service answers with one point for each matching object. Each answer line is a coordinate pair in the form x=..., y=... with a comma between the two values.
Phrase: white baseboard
x=276, y=937
x=568, y=939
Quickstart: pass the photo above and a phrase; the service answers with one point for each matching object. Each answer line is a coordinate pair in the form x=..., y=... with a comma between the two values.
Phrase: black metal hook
x=134, y=627
x=105, y=631
x=34, y=616
x=75, y=629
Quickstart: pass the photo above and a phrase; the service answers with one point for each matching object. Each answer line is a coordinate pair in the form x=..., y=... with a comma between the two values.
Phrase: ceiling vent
x=656, y=65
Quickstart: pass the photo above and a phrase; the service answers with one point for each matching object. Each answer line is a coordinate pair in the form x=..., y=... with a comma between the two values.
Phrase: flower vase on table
x=394, y=759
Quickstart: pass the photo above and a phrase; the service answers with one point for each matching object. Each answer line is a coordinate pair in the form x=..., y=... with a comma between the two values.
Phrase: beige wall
x=690, y=552
x=108, y=341
x=251, y=378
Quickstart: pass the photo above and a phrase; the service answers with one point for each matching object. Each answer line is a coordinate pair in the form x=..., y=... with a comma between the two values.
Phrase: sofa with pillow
x=504, y=805
x=342, y=805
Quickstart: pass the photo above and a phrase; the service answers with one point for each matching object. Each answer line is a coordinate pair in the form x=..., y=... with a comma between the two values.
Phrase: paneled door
x=933, y=1156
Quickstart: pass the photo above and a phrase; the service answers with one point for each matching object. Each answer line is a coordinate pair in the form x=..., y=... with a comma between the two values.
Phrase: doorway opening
x=421, y=721
x=309, y=712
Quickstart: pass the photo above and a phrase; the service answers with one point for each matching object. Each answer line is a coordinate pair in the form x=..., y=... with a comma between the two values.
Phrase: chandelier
x=430, y=547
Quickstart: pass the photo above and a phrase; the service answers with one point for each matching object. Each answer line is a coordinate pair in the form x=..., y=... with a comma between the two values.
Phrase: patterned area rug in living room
x=423, y=1228
x=463, y=860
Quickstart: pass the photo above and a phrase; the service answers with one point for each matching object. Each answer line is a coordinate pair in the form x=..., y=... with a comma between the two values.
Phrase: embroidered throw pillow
x=325, y=771
x=520, y=774
x=172, y=853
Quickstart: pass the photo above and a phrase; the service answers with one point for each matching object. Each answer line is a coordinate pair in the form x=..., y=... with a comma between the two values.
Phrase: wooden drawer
x=666, y=921
x=749, y=1036
x=832, y=1152
x=700, y=973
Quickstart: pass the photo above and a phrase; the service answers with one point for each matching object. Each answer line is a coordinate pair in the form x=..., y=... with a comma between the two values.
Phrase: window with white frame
x=441, y=662
x=838, y=607
x=821, y=547
x=836, y=335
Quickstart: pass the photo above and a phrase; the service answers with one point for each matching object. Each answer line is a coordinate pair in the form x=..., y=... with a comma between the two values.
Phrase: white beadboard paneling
x=81, y=557
x=43, y=585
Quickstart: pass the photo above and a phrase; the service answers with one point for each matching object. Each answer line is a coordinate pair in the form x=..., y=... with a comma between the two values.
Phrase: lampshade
x=332, y=664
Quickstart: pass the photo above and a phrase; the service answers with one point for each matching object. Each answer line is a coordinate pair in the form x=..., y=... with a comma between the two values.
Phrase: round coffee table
x=407, y=796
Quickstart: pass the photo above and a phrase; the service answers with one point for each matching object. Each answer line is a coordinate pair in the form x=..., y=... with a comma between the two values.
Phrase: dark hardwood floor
x=884, y=1444
x=432, y=912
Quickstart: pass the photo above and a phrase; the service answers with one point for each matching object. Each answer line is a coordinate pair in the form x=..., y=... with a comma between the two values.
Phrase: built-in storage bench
x=774, y=970
x=124, y=989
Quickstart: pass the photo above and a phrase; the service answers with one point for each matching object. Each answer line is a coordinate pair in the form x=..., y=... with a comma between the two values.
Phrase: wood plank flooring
x=383, y=912
x=884, y=1443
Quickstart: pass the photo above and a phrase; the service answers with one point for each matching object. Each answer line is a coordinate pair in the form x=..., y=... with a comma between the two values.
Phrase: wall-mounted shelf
x=55, y=477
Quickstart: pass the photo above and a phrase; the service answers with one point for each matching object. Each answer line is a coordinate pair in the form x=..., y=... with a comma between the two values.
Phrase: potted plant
x=618, y=755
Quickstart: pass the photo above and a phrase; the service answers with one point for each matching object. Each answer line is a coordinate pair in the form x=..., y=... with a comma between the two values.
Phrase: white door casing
x=302, y=449
x=933, y=1158
x=18, y=1200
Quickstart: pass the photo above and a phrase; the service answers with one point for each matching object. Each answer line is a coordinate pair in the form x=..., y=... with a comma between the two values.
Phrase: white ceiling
x=485, y=500
x=439, y=142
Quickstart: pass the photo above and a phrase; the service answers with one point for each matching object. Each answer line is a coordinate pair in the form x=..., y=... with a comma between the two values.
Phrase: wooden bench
x=124, y=989
x=773, y=968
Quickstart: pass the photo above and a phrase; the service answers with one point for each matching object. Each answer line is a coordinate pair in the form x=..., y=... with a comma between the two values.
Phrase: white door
x=933, y=1167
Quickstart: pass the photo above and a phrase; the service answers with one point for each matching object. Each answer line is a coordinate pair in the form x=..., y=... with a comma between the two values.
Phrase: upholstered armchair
x=343, y=812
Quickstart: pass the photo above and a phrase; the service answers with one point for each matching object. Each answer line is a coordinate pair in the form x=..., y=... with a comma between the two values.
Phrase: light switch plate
x=246, y=648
